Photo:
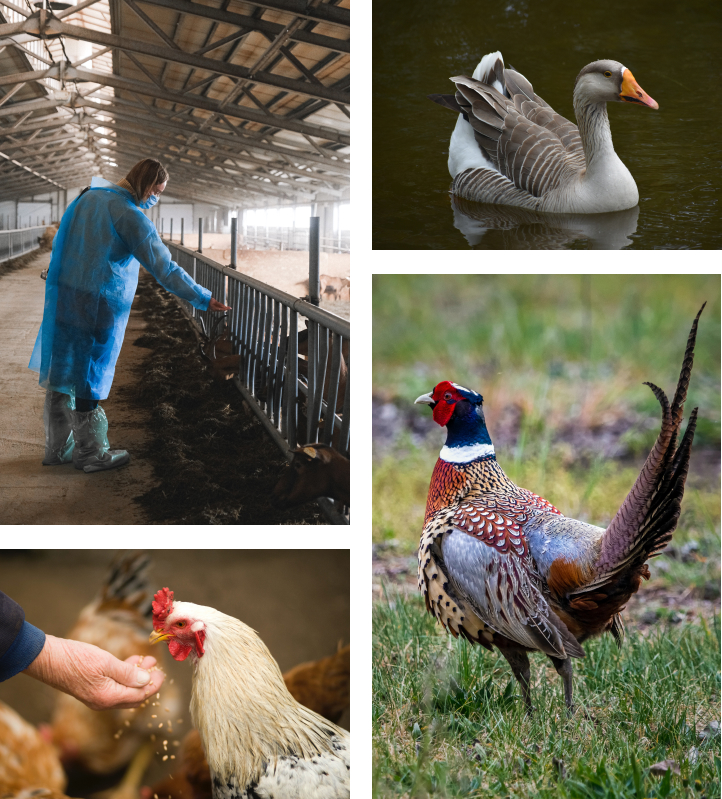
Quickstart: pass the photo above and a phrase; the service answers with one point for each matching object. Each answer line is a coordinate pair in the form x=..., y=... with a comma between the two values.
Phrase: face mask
x=150, y=202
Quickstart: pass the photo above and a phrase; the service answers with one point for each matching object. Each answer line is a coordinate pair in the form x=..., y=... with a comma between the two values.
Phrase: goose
x=509, y=147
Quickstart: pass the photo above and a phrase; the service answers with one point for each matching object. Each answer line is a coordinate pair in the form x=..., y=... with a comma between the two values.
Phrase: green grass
x=448, y=720
x=481, y=329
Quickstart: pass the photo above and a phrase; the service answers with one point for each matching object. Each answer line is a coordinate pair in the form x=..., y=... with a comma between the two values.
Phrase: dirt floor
x=257, y=586
x=197, y=452
x=213, y=461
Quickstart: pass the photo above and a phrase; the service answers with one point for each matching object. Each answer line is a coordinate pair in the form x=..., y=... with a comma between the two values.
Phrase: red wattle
x=443, y=412
x=178, y=651
x=200, y=638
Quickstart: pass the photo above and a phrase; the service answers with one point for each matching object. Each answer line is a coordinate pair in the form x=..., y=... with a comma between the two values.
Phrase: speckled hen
x=503, y=567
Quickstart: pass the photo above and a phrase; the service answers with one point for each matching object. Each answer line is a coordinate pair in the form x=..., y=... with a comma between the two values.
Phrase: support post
x=314, y=277
x=183, y=219
x=171, y=228
x=200, y=234
x=234, y=243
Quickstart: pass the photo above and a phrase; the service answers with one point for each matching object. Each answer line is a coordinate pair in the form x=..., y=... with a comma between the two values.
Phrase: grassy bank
x=448, y=720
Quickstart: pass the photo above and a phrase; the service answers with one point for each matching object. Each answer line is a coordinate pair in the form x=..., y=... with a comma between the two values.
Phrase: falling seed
x=157, y=696
x=172, y=757
x=165, y=757
x=160, y=725
x=172, y=681
x=154, y=716
x=167, y=710
x=150, y=725
x=127, y=723
x=152, y=737
x=176, y=743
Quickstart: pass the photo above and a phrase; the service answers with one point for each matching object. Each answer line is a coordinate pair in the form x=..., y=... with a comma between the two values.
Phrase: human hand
x=94, y=676
x=214, y=305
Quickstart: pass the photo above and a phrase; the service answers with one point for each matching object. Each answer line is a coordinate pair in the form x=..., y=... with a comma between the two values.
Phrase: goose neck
x=594, y=131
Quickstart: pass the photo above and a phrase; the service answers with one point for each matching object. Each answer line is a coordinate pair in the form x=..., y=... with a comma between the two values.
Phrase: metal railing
x=14, y=243
x=296, y=381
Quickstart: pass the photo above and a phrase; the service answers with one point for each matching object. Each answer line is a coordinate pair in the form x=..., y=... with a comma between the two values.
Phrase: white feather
x=464, y=152
x=484, y=70
x=465, y=454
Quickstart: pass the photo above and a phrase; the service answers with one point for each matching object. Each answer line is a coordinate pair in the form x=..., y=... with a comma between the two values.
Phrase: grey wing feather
x=506, y=594
x=532, y=146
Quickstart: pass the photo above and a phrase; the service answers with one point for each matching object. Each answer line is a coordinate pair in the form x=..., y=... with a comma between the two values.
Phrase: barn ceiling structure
x=247, y=103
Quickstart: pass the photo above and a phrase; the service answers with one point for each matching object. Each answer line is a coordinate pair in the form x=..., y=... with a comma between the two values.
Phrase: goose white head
x=609, y=81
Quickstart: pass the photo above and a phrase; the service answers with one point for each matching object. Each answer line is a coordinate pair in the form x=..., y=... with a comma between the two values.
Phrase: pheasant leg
x=519, y=662
x=564, y=670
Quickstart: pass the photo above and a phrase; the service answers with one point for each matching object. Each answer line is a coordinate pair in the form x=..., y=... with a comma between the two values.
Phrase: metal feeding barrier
x=293, y=364
x=14, y=243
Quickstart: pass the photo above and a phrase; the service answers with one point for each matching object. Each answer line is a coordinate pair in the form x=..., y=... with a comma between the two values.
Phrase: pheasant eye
x=607, y=74
x=447, y=396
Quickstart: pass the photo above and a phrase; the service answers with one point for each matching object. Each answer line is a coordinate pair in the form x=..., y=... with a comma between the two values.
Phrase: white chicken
x=259, y=741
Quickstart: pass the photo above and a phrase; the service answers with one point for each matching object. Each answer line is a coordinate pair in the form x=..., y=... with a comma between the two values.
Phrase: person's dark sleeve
x=20, y=642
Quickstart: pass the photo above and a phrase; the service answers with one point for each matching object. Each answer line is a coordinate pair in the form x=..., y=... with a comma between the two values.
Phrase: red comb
x=162, y=606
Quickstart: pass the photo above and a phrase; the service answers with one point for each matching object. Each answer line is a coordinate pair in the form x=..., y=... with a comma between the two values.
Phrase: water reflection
x=522, y=229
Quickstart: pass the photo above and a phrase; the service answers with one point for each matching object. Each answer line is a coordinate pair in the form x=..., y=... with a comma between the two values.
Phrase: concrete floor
x=31, y=493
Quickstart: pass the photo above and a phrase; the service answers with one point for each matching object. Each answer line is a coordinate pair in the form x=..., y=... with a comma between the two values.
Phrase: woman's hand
x=94, y=676
x=214, y=305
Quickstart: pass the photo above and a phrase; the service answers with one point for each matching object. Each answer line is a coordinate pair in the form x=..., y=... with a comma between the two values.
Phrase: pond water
x=673, y=153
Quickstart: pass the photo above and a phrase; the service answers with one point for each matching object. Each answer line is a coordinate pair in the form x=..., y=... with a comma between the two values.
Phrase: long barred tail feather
x=644, y=524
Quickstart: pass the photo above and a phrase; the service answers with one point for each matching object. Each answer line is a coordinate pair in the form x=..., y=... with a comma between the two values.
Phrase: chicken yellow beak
x=424, y=399
x=157, y=636
x=632, y=92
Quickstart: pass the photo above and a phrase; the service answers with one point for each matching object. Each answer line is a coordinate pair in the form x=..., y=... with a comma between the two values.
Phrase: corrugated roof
x=245, y=102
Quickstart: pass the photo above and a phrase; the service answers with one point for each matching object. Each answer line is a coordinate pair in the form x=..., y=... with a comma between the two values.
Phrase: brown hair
x=145, y=175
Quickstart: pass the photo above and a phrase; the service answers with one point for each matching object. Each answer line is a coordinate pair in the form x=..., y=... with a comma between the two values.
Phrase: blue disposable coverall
x=91, y=283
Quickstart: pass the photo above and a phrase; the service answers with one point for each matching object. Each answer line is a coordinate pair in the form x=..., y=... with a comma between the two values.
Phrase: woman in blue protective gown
x=91, y=282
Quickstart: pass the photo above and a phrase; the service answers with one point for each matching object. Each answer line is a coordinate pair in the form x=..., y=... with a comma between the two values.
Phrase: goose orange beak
x=632, y=92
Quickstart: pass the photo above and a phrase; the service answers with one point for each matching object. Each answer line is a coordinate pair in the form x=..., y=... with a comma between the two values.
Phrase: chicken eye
x=180, y=624
x=607, y=74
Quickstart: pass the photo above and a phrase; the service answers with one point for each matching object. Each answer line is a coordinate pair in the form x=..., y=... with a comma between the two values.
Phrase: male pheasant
x=501, y=566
